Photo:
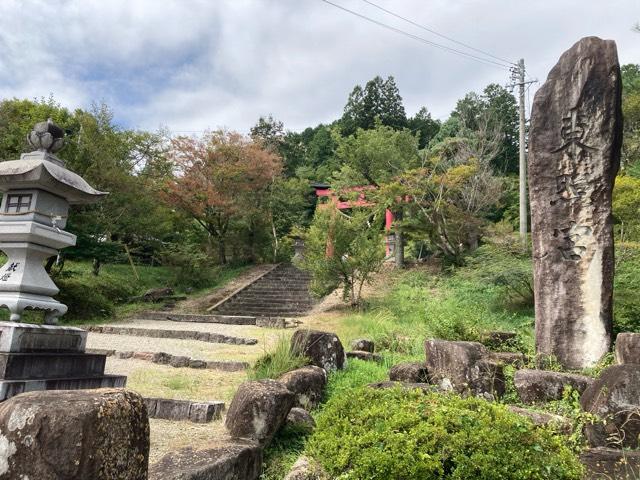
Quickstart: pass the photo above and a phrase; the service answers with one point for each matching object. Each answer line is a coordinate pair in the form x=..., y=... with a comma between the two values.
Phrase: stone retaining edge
x=175, y=361
x=193, y=411
x=177, y=334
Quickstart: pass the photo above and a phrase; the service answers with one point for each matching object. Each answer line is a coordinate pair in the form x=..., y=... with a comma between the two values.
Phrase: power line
x=420, y=39
x=437, y=33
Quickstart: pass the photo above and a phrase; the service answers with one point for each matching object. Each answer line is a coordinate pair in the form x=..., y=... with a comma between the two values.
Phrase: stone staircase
x=282, y=292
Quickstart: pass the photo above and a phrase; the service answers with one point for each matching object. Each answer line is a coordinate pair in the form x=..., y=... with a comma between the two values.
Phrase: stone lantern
x=37, y=191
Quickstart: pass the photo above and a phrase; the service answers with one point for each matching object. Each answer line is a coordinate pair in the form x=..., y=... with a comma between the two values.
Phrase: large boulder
x=74, y=435
x=258, y=410
x=323, y=349
x=228, y=458
x=363, y=345
x=539, y=386
x=465, y=367
x=299, y=417
x=628, y=348
x=307, y=383
x=413, y=372
x=615, y=398
x=611, y=463
x=306, y=468
x=574, y=156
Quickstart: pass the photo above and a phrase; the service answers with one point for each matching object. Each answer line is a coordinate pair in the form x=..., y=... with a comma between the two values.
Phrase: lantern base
x=18, y=302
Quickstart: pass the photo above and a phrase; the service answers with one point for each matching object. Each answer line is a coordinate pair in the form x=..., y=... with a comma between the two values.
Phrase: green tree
x=423, y=124
x=378, y=99
x=343, y=251
x=631, y=112
x=290, y=204
x=376, y=156
x=270, y=132
x=496, y=109
x=626, y=207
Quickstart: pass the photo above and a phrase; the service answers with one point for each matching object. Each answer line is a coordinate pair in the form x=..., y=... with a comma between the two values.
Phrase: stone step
x=291, y=313
x=277, y=295
x=179, y=334
x=11, y=388
x=33, y=366
x=275, y=310
x=276, y=289
x=267, y=306
x=197, y=318
x=271, y=300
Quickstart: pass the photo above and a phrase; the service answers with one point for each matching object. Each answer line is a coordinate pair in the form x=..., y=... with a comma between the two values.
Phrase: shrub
x=506, y=267
x=84, y=299
x=383, y=434
x=277, y=362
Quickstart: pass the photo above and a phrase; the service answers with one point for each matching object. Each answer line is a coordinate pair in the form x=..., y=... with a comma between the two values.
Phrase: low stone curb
x=178, y=334
x=176, y=361
x=196, y=412
x=196, y=318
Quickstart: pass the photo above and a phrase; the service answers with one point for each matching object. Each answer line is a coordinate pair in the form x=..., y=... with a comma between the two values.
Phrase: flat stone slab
x=33, y=366
x=196, y=318
x=228, y=459
x=539, y=386
x=193, y=411
x=179, y=334
x=29, y=338
x=11, y=388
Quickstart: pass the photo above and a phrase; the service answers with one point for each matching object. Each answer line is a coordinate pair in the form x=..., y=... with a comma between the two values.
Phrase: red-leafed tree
x=218, y=178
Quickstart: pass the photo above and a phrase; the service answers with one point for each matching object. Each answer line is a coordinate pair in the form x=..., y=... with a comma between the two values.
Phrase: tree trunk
x=222, y=251
x=399, y=247
x=96, y=266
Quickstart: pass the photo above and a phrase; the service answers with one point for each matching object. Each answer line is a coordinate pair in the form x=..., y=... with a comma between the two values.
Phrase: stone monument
x=37, y=191
x=574, y=155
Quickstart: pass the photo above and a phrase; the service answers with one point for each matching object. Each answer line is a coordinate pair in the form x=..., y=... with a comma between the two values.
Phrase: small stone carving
x=46, y=137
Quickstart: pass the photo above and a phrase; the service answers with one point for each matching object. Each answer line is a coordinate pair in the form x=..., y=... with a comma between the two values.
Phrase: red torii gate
x=323, y=190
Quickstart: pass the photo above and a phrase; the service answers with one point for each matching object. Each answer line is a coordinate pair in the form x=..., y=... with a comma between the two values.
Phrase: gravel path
x=168, y=436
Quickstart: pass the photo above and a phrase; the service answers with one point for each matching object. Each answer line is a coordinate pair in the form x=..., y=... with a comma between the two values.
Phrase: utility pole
x=523, y=161
x=518, y=78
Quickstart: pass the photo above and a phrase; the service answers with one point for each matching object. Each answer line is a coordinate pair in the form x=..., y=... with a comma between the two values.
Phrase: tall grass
x=278, y=361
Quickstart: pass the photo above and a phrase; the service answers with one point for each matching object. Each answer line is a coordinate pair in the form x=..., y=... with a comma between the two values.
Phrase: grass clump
x=280, y=360
x=382, y=434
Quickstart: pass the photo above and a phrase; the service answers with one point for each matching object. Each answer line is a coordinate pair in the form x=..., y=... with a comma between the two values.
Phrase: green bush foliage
x=356, y=252
x=626, y=304
x=384, y=434
x=90, y=297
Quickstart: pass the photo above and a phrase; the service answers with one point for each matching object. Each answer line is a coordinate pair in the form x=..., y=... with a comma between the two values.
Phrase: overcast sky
x=191, y=65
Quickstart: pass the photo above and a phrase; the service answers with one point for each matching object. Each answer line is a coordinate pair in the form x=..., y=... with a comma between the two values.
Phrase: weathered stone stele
x=574, y=155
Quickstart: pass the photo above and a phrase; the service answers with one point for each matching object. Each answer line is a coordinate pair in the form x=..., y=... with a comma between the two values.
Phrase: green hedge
x=384, y=434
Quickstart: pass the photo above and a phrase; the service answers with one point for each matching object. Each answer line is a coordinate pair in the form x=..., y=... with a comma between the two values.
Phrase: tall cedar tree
x=379, y=99
x=217, y=179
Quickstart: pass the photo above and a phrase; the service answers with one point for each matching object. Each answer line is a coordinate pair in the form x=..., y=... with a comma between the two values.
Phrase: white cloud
x=200, y=64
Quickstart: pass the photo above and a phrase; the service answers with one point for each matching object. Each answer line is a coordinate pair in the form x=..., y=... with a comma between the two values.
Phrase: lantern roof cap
x=44, y=171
